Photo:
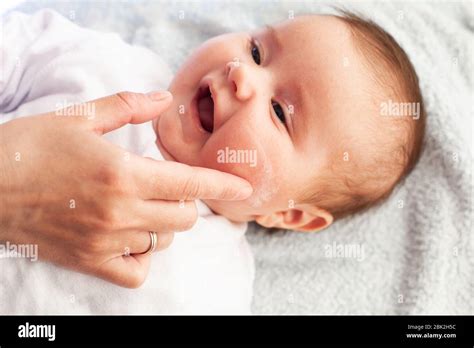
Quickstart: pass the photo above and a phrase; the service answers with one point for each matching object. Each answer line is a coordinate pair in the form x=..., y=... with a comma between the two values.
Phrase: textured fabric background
x=416, y=250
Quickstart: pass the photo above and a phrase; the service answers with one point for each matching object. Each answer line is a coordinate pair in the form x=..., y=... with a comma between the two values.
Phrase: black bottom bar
x=288, y=330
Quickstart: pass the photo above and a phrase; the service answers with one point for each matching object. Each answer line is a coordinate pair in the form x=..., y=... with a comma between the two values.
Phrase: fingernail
x=158, y=96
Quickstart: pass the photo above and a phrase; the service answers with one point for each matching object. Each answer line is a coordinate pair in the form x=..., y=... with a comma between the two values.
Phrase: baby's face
x=281, y=102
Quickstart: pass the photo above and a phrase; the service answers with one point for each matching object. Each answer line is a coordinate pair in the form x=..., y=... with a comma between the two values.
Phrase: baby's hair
x=349, y=187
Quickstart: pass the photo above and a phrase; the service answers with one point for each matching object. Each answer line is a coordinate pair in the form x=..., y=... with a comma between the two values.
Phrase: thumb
x=119, y=109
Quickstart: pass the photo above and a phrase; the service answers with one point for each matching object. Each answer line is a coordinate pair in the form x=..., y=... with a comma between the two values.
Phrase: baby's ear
x=306, y=218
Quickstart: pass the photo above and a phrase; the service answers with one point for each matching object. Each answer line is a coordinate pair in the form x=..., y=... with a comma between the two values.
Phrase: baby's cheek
x=241, y=153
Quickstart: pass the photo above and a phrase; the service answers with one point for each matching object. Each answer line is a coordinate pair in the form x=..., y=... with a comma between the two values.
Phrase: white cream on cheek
x=263, y=181
x=264, y=190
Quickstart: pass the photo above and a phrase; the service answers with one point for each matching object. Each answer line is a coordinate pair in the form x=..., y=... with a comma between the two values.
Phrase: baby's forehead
x=319, y=29
x=314, y=22
x=318, y=55
x=313, y=47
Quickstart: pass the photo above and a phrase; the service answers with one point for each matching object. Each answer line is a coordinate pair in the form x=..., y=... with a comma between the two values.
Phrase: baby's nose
x=231, y=65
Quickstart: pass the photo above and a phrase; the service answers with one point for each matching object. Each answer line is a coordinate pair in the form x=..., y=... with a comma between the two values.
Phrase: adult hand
x=89, y=204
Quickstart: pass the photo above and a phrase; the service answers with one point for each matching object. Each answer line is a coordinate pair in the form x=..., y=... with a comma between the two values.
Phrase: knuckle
x=155, y=183
x=109, y=176
x=81, y=256
x=192, y=187
x=114, y=180
x=227, y=192
x=128, y=101
x=97, y=222
x=108, y=216
x=92, y=245
x=112, y=219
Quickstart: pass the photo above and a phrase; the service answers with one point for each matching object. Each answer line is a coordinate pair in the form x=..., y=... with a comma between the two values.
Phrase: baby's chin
x=259, y=203
x=234, y=211
x=164, y=152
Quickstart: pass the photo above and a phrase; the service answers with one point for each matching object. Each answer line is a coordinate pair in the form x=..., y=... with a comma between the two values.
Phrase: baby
x=307, y=99
x=298, y=110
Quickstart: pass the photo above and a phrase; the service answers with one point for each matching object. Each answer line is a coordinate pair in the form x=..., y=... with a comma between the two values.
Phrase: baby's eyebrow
x=273, y=34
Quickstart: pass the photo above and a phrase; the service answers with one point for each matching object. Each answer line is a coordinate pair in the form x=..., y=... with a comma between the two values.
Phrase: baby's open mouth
x=205, y=106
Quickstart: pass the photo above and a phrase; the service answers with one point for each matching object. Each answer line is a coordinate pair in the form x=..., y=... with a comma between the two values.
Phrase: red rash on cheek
x=242, y=153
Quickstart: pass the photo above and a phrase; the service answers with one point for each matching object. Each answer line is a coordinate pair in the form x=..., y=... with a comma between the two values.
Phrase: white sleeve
x=48, y=61
x=29, y=45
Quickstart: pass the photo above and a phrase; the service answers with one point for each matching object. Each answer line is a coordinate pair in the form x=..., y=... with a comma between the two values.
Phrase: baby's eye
x=255, y=52
x=279, y=112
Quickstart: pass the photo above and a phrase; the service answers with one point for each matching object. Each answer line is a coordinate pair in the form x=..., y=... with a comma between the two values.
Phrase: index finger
x=177, y=181
x=119, y=109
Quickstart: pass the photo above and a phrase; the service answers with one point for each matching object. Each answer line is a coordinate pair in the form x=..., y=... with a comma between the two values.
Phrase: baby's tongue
x=206, y=110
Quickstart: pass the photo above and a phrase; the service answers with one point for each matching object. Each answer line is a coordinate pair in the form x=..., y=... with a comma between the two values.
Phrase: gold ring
x=154, y=242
